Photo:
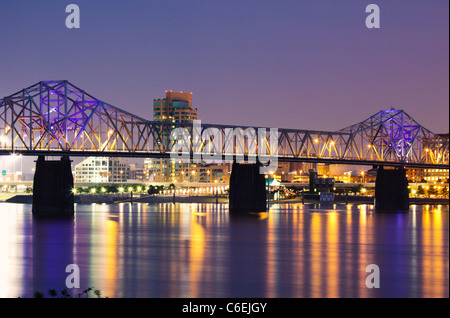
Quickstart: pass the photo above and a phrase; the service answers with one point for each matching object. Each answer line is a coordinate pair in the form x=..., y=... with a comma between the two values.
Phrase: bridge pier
x=247, y=188
x=52, y=188
x=391, y=190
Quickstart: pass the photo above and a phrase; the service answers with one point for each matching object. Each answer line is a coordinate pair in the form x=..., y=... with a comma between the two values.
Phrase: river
x=199, y=250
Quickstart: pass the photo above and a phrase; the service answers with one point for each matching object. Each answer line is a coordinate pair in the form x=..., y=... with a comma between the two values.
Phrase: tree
x=432, y=190
x=357, y=189
x=112, y=189
x=152, y=190
x=444, y=191
x=420, y=190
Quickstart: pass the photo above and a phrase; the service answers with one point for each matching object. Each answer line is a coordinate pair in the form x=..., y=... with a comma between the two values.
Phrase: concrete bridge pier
x=391, y=190
x=247, y=188
x=52, y=188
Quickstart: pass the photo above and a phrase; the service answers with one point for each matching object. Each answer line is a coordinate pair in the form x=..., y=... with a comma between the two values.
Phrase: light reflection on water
x=199, y=250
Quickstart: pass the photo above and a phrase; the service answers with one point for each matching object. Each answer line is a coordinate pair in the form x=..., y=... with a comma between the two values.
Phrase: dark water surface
x=199, y=250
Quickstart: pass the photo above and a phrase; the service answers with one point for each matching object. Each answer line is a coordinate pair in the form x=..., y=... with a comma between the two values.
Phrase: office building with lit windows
x=177, y=108
x=102, y=170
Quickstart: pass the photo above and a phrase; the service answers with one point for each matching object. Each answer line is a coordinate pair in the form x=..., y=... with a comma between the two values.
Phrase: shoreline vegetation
x=126, y=198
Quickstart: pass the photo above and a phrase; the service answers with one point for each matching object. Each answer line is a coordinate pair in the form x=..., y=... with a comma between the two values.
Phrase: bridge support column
x=391, y=190
x=52, y=188
x=247, y=189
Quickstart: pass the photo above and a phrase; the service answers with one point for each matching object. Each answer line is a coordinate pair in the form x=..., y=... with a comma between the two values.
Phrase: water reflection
x=199, y=250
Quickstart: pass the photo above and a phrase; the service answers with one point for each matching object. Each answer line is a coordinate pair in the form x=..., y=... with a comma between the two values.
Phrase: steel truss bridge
x=56, y=118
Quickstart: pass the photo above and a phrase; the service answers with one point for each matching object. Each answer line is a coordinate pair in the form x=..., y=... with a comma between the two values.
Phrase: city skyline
x=317, y=63
x=235, y=151
x=284, y=64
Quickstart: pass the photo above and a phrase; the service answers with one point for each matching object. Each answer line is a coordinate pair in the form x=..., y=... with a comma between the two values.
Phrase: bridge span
x=56, y=118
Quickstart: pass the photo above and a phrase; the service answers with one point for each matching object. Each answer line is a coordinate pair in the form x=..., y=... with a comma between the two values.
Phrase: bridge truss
x=56, y=117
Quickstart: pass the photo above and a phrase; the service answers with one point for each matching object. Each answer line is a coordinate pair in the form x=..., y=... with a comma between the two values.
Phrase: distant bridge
x=55, y=118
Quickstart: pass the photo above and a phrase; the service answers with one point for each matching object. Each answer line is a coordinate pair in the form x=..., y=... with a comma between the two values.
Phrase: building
x=293, y=171
x=177, y=108
x=431, y=175
x=12, y=176
x=136, y=172
x=436, y=175
x=102, y=170
x=210, y=173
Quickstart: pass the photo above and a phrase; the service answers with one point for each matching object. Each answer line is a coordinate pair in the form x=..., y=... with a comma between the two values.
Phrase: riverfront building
x=102, y=170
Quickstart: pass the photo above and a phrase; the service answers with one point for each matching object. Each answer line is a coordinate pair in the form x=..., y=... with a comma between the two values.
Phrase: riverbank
x=117, y=198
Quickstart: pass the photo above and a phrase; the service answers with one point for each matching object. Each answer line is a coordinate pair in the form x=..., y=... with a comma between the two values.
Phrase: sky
x=298, y=64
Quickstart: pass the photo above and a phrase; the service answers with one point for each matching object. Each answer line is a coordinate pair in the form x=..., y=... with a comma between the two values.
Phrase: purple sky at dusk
x=286, y=64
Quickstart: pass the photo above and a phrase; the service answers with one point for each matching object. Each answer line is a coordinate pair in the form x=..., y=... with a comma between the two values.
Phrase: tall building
x=177, y=108
x=102, y=170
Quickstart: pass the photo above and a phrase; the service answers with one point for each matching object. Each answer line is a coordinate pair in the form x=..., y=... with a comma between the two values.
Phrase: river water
x=199, y=250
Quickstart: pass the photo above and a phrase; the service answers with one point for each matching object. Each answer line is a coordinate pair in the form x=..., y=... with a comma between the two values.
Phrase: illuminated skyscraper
x=176, y=108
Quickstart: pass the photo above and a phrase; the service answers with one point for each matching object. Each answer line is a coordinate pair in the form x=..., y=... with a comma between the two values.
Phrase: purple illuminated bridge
x=57, y=118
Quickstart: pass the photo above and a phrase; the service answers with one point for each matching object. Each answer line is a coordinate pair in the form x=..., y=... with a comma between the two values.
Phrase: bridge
x=56, y=118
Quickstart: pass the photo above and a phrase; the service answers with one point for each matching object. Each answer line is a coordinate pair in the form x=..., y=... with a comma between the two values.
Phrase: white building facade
x=102, y=170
